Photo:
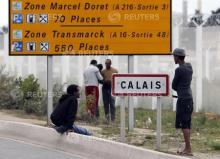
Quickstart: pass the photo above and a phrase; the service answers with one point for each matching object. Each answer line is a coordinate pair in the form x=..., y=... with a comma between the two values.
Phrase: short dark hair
x=100, y=67
x=71, y=89
x=182, y=58
x=109, y=60
x=93, y=62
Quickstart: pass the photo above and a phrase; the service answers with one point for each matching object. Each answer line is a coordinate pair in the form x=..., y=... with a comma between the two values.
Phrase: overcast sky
x=208, y=5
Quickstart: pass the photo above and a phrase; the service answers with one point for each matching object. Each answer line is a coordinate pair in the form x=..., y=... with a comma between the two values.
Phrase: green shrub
x=34, y=98
x=82, y=113
x=8, y=89
x=57, y=93
x=35, y=106
x=200, y=121
x=213, y=144
x=29, y=87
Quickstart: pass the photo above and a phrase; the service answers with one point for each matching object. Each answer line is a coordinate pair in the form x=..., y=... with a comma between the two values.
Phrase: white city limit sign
x=140, y=85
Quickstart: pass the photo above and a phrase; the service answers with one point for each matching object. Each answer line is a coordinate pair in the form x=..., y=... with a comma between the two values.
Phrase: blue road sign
x=17, y=18
x=17, y=5
x=17, y=46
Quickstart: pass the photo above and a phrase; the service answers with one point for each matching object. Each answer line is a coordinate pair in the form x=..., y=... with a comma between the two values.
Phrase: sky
x=208, y=6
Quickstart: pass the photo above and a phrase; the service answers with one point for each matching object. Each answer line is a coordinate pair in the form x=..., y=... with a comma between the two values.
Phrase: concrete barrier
x=85, y=146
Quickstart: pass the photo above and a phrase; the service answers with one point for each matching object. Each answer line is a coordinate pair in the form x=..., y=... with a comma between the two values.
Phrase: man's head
x=179, y=55
x=100, y=67
x=108, y=63
x=93, y=62
x=73, y=90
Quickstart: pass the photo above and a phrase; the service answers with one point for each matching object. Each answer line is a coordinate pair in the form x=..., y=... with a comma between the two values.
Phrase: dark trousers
x=184, y=111
x=109, y=103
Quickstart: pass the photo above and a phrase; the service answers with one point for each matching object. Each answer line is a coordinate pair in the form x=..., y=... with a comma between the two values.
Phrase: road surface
x=11, y=149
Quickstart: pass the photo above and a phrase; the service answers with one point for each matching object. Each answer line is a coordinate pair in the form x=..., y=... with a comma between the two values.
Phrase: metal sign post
x=199, y=68
x=130, y=99
x=122, y=113
x=158, y=146
x=49, y=87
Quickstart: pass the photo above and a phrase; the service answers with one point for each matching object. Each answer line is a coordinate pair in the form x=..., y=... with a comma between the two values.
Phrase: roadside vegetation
x=24, y=98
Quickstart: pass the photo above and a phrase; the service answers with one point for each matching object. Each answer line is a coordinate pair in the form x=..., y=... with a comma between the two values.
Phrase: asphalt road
x=11, y=149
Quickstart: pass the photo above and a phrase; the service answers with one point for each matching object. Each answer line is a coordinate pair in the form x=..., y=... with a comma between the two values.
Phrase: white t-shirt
x=91, y=76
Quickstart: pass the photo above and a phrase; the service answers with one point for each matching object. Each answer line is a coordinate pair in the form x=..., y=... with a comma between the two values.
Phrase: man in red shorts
x=92, y=76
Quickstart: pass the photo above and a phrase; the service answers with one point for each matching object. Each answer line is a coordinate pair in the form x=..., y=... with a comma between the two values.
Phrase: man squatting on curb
x=64, y=115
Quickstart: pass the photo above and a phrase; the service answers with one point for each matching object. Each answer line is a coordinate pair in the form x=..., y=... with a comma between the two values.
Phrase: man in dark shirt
x=64, y=114
x=181, y=83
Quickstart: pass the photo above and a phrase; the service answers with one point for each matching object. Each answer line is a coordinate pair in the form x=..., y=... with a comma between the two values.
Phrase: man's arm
x=116, y=71
x=175, y=80
x=71, y=112
x=98, y=75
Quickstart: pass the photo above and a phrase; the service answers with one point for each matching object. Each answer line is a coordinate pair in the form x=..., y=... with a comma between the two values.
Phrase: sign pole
x=49, y=88
x=158, y=146
x=130, y=99
x=122, y=113
x=199, y=75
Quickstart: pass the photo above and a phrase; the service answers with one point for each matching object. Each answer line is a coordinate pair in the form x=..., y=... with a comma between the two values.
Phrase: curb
x=85, y=146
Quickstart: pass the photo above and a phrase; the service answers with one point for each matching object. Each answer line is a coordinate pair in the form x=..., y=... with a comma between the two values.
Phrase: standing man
x=181, y=83
x=92, y=76
x=108, y=99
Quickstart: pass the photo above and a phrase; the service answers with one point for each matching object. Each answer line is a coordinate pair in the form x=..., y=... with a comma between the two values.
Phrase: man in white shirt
x=92, y=76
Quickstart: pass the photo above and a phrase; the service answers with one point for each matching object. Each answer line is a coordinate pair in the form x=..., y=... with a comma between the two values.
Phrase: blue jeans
x=81, y=131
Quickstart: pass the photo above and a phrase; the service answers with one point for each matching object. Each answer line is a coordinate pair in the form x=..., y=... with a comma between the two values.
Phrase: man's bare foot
x=185, y=152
